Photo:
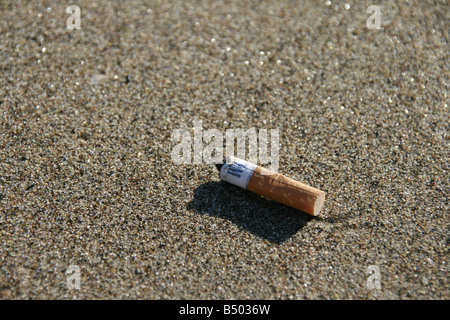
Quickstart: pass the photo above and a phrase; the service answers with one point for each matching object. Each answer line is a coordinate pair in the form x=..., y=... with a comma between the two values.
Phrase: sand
x=87, y=178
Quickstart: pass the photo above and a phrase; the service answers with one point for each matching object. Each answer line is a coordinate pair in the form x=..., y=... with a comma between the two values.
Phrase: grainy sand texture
x=87, y=178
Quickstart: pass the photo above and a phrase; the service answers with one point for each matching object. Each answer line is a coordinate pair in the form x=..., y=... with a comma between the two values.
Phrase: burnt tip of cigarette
x=219, y=165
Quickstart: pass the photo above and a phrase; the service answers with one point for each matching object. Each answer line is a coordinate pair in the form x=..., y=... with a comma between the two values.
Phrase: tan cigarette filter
x=272, y=185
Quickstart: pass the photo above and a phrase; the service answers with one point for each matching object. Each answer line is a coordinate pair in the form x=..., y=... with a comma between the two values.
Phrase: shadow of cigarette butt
x=262, y=217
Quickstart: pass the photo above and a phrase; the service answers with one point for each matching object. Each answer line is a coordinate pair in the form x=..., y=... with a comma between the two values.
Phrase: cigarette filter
x=272, y=185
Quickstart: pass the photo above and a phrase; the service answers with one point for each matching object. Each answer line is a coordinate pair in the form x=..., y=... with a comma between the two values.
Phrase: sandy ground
x=87, y=178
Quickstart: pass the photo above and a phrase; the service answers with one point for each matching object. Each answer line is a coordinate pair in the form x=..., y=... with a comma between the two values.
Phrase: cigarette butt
x=272, y=185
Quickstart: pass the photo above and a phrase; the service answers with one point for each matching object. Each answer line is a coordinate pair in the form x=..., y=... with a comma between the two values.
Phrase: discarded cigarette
x=272, y=185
